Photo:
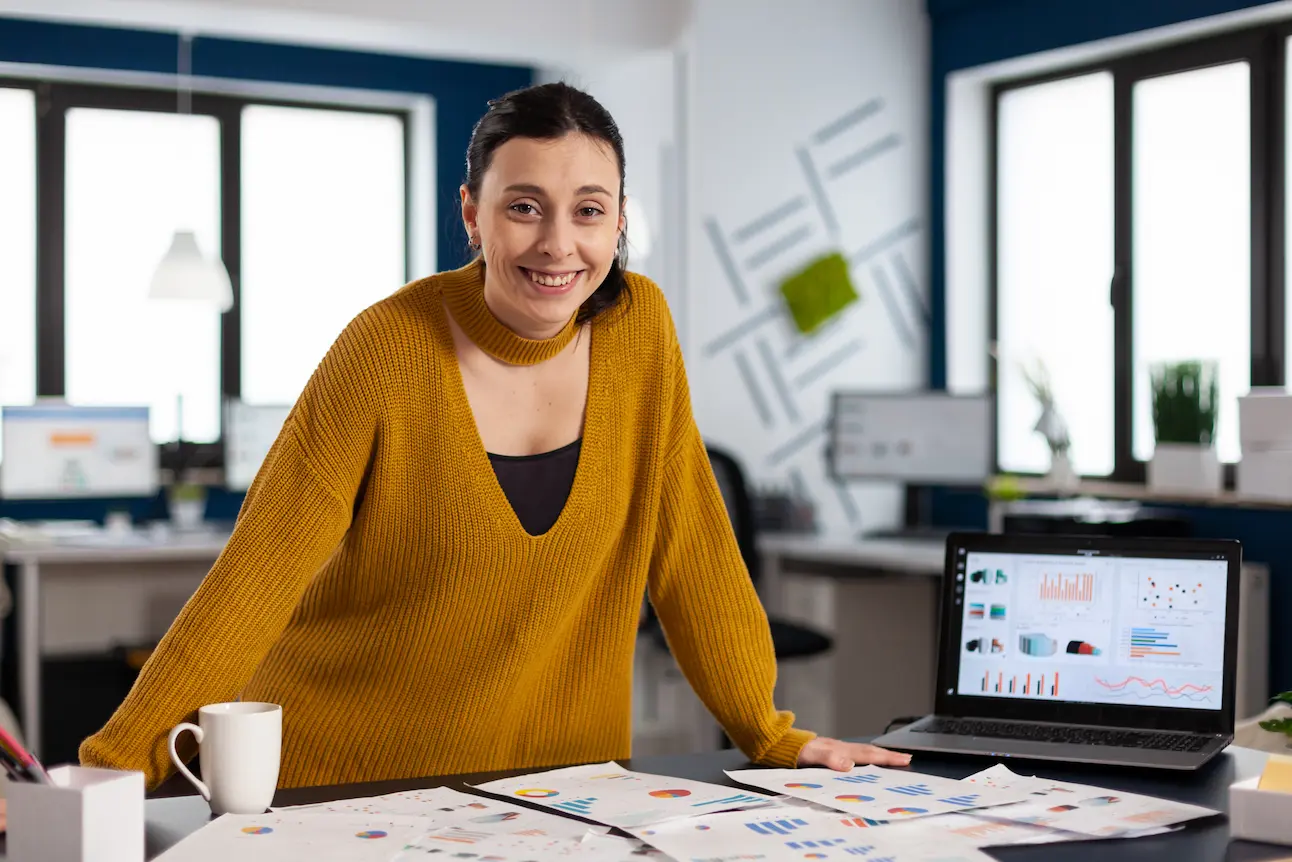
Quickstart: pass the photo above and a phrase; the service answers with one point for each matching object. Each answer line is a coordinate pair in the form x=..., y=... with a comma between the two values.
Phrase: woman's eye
x=523, y=209
x=589, y=212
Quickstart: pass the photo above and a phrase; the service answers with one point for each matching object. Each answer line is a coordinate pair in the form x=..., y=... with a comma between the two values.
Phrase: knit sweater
x=379, y=586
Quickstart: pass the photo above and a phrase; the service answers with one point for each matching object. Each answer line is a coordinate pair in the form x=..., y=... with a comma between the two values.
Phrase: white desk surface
x=909, y=556
x=137, y=547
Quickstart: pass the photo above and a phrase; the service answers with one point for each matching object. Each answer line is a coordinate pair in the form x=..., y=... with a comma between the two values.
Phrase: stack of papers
x=869, y=814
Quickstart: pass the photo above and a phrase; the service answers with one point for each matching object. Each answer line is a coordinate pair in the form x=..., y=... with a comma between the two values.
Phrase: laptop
x=1084, y=649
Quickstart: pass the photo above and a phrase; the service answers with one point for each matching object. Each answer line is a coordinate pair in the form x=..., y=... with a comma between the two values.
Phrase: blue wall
x=968, y=33
x=460, y=90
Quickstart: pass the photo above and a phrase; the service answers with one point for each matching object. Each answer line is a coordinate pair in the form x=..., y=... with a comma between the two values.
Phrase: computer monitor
x=249, y=432
x=56, y=450
x=920, y=437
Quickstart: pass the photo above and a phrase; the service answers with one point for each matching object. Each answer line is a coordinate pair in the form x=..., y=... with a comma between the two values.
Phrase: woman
x=440, y=565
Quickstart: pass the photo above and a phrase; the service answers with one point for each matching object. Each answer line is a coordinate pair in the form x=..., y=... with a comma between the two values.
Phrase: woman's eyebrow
x=531, y=189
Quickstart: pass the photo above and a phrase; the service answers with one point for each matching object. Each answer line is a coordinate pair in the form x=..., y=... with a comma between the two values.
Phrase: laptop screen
x=1106, y=629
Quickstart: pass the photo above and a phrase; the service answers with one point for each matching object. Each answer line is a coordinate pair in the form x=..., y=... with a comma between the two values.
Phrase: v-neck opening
x=481, y=465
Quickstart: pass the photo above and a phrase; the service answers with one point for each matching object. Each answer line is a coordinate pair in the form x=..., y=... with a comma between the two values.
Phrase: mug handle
x=197, y=735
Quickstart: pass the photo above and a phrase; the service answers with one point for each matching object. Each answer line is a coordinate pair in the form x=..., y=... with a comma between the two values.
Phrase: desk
x=94, y=569
x=171, y=819
x=879, y=600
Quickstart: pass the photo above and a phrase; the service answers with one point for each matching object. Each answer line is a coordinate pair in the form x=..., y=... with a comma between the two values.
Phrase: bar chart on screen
x=1180, y=645
x=1020, y=684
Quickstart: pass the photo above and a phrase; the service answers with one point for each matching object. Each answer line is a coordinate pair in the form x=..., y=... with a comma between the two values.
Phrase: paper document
x=1081, y=808
x=877, y=794
x=444, y=806
x=454, y=842
x=607, y=793
x=795, y=834
x=293, y=836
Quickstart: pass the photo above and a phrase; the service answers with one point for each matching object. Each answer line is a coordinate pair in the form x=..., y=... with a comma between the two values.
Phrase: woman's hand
x=842, y=756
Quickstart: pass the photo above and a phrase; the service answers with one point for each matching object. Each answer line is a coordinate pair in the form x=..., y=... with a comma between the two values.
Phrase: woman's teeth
x=551, y=280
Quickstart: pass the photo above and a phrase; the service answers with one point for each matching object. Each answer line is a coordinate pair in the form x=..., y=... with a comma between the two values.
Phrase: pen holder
x=83, y=815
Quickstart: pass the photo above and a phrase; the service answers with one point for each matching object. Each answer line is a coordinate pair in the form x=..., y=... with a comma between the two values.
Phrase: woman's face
x=548, y=219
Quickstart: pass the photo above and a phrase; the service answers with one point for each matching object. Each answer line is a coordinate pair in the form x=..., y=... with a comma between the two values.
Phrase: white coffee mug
x=239, y=745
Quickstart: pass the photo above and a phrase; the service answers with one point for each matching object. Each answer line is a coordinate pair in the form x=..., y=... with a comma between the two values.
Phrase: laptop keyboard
x=1143, y=739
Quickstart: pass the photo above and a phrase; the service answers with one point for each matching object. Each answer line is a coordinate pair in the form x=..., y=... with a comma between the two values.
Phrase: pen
x=27, y=762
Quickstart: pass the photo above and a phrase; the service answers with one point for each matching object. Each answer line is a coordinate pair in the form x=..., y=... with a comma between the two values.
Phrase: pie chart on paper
x=855, y=797
x=670, y=794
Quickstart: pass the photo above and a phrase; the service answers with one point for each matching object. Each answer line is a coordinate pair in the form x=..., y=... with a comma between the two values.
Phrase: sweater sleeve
x=700, y=588
x=293, y=517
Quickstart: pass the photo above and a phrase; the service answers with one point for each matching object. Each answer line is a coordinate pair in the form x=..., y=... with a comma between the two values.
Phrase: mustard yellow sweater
x=379, y=586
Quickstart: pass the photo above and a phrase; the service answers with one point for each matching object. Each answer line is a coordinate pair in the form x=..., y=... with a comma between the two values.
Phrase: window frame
x=53, y=100
x=1264, y=48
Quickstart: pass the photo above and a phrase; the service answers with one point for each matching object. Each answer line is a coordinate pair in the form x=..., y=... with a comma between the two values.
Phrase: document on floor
x=607, y=793
x=876, y=794
x=444, y=806
x=293, y=836
x=451, y=843
x=794, y=833
x=1081, y=808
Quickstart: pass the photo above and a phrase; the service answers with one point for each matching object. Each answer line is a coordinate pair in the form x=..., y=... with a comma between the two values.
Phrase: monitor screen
x=54, y=451
x=249, y=432
x=1095, y=629
x=927, y=437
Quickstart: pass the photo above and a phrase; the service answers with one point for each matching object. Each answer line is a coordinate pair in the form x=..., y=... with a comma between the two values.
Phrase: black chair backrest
x=740, y=506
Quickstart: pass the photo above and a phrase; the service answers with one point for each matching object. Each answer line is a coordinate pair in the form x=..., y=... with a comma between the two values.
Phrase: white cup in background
x=239, y=746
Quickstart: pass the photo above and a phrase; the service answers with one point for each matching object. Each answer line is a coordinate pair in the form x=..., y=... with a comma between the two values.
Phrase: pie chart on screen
x=670, y=794
x=855, y=797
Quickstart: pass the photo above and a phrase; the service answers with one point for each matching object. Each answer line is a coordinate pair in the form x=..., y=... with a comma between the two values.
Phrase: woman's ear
x=623, y=214
x=469, y=211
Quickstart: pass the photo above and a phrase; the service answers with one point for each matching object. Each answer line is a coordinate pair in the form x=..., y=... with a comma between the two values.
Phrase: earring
x=474, y=242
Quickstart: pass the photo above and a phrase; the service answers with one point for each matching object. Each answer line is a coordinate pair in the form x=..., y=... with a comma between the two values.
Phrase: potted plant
x=187, y=504
x=1185, y=397
x=1280, y=725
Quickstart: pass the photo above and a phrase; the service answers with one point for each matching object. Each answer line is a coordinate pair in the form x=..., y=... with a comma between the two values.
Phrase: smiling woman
x=439, y=568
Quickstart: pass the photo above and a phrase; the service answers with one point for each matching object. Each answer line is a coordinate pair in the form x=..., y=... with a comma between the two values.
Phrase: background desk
x=879, y=600
x=80, y=595
x=171, y=819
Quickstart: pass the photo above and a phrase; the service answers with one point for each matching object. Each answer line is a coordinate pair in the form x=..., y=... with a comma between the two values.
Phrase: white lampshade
x=639, y=238
x=185, y=274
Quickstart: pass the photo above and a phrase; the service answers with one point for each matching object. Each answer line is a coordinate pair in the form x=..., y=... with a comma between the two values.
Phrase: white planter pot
x=1185, y=467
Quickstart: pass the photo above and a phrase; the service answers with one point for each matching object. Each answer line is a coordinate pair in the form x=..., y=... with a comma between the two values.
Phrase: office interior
x=1071, y=192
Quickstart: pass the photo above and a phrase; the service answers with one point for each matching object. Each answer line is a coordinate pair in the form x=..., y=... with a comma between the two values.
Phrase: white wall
x=764, y=79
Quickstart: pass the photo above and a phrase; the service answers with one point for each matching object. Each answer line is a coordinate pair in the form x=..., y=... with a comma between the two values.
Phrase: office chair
x=790, y=640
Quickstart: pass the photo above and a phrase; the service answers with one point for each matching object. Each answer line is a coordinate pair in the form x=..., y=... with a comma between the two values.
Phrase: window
x=1191, y=219
x=322, y=236
x=17, y=246
x=306, y=205
x=1054, y=264
x=1134, y=224
x=133, y=178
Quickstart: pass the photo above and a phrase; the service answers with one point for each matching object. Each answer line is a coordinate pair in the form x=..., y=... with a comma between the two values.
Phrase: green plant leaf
x=1285, y=697
x=1277, y=725
x=1185, y=400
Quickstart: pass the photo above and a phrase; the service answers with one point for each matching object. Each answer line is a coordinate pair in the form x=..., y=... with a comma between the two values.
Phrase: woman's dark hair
x=547, y=112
